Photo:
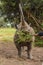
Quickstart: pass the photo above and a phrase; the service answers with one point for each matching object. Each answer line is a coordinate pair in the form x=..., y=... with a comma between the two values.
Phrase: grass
x=39, y=42
x=7, y=34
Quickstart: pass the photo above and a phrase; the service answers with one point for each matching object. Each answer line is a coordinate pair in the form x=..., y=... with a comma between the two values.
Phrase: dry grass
x=7, y=34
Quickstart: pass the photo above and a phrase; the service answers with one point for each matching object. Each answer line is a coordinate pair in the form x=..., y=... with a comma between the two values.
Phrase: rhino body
x=21, y=45
x=24, y=26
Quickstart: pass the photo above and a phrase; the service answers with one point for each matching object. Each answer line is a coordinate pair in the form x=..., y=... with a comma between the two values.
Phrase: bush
x=39, y=42
x=23, y=36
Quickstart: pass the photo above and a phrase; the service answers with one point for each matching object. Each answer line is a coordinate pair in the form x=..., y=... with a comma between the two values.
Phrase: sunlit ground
x=7, y=34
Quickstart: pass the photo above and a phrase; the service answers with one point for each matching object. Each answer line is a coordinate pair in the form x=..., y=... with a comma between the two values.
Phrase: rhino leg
x=19, y=49
x=29, y=50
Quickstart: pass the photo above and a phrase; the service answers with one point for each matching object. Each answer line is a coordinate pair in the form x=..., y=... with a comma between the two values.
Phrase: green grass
x=7, y=34
x=39, y=42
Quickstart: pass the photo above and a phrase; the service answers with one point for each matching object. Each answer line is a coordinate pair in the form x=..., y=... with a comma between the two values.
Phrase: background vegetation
x=7, y=35
x=10, y=15
x=33, y=11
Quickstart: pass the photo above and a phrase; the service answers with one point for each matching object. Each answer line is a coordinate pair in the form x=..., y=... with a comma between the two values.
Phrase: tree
x=10, y=8
x=34, y=9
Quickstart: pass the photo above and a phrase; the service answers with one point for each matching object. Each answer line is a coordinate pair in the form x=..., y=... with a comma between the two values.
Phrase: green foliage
x=10, y=8
x=2, y=21
x=39, y=42
x=23, y=36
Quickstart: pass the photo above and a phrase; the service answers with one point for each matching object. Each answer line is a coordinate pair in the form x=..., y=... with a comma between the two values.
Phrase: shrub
x=23, y=36
x=39, y=42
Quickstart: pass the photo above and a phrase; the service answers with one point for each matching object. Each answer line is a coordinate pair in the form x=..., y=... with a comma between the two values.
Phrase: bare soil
x=9, y=56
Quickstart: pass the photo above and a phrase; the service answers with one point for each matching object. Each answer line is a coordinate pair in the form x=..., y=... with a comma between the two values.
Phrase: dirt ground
x=8, y=55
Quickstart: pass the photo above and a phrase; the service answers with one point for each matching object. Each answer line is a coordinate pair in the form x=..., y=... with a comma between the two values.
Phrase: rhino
x=28, y=43
x=23, y=25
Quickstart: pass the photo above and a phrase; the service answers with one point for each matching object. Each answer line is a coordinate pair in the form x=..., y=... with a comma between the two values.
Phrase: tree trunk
x=21, y=12
x=23, y=24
